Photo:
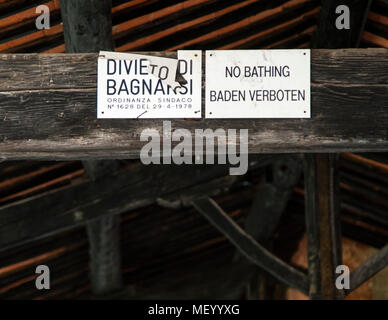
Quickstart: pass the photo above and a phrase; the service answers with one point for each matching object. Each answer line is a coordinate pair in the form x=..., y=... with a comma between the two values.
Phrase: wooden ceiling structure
x=172, y=24
x=48, y=208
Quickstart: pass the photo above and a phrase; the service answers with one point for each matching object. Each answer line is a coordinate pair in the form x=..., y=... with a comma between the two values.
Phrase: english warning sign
x=258, y=84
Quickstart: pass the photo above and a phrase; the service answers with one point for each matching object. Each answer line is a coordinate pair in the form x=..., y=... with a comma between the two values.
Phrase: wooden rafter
x=249, y=247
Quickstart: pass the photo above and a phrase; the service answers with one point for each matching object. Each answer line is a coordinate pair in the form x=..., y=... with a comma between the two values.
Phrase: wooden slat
x=240, y=24
x=153, y=16
x=6, y=4
x=58, y=49
x=133, y=45
x=27, y=16
x=375, y=39
x=34, y=38
x=378, y=18
x=280, y=44
x=349, y=110
x=268, y=32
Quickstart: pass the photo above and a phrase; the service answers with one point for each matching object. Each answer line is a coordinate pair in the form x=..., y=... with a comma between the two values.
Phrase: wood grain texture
x=48, y=110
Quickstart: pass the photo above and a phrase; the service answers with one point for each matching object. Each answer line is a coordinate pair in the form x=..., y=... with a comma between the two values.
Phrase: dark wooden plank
x=42, y=71
x=249, y=247
x=52, y=71
x=349, y=111
x=346, y=67
x=328, y=36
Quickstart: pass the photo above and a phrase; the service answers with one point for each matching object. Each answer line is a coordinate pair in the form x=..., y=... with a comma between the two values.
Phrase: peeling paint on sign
x=143, y=86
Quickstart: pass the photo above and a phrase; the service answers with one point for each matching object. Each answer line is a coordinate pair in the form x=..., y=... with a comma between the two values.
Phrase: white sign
x=136, y=86
x=258, y=84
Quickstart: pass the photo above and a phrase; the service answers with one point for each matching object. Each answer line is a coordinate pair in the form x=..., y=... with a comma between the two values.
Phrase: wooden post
x=322, y=223
x=87, y=27
x=267, y=208
x=323, y=226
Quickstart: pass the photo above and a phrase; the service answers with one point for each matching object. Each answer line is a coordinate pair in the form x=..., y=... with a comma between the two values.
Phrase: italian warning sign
x=137, y=86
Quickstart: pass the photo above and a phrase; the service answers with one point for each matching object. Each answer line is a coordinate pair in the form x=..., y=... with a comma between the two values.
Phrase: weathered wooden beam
x=349, y=110
x=328, y=36
x=367, y=270
x=267, y=207
x=323, y=226
x=97, y=169
x=249, y=247
x=105, y=256
x=322, y=223
x=272, y=197
x=87, y=27
x=124, y=190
